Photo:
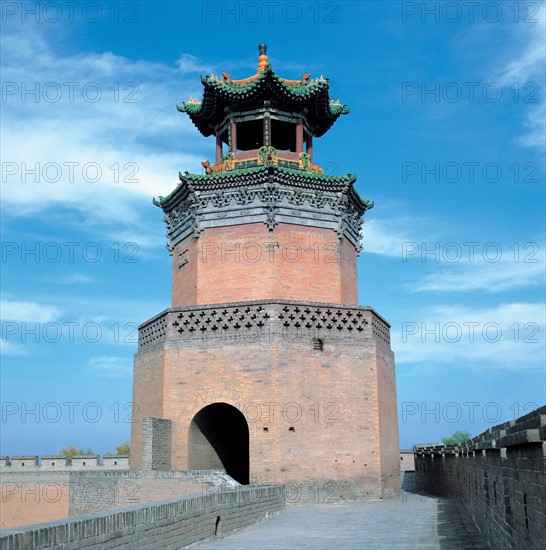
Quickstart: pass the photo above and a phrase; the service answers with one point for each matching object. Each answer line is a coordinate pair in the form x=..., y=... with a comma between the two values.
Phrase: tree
x=70, y=451
x=122, y=449
x=457, y=438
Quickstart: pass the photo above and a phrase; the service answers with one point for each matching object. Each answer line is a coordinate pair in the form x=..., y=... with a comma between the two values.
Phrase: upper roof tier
x=306, y=98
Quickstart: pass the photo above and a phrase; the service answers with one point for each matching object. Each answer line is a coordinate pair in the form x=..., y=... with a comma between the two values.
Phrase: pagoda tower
x=265, y=365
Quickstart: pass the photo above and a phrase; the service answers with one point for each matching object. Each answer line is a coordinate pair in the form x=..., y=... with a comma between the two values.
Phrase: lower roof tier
x=269, y=194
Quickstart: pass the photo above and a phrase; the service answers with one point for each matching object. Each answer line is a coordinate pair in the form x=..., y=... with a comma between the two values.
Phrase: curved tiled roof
x=219, y=93
x=256, y=176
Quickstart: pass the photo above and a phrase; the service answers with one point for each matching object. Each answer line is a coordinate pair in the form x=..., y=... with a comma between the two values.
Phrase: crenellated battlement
x=62, y=463
x=499, y=476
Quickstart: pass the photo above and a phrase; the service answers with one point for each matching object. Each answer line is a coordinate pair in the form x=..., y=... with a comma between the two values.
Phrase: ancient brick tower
x=265, y=365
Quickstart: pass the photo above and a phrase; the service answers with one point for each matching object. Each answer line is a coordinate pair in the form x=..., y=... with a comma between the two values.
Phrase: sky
x=445, y=134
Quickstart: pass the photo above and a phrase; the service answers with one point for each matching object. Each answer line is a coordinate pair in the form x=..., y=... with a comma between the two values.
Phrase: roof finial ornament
x=263, y=60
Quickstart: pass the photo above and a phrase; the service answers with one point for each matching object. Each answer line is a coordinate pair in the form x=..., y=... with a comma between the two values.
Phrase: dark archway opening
x=218, y=438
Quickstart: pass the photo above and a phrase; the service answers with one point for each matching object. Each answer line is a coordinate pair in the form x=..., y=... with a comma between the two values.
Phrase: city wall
x=36, y=489
x=177, y=522
x=35, y=496
x=62, y=463
x=499, y=477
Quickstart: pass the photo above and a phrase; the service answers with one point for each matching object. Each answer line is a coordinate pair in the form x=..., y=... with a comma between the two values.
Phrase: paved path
x=412, y=522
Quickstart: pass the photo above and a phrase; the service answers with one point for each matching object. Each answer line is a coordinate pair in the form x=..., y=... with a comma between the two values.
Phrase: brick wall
x=322, y=420
x=97, y=491
x=32, y=496
x=156, y=444
x=499, y=476
x=407, y=461
x=176, y=522
x=37, y=496
x=248, y=262
x=389, y=446
x=148, y=396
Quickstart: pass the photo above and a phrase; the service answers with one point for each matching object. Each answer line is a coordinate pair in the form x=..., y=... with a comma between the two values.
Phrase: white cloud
x=9, y=348
x=72, y=279
x=533, y=123
x=481, y=275
x=506, y=337
x=110, y=366
x=529, y=60
x=380, y=237
x=188, y=63
x=28, y=312
x=526, y=69
x=387, y=237
x=130, y=140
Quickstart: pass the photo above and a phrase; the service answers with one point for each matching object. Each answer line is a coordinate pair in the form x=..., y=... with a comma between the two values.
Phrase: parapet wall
x=177, y=522
x=499, y=476
x=60, y=463
x=99, y=491
x=35, y=496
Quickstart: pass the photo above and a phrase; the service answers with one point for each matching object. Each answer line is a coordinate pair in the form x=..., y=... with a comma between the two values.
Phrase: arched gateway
x=218, y=438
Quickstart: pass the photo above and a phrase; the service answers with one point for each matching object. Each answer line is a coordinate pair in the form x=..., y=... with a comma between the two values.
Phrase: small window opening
x=115, y=462
x=53, y=463
x=495, y=492
x=291, y=429
x=84, y=462
x=217, y=531
x=525, y=511
x=318, y=344
x=266, y=429
x=22, y=463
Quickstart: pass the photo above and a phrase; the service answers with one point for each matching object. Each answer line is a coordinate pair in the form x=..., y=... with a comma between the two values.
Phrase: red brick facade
x=325, y=416
x=249, y=262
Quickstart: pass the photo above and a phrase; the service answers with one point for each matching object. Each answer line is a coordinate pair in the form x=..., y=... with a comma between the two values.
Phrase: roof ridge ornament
x=263, y=60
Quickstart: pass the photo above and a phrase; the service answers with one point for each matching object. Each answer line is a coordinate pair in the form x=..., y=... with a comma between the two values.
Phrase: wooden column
x=309, y=142
x=218, y=148
x=299, y=138
x=233, y=137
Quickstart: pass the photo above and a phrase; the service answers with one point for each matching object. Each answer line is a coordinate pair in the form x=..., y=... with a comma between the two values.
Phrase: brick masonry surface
x=174, y=523
x=36, y=489
x=407, y=460
x=315, y=383
x=156, y=444
x=30, y=497
x=499, y=476
x=248, y=262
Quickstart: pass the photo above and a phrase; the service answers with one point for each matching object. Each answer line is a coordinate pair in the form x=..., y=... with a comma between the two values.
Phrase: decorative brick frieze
x=153, y=332
x=261, y=321
x=266, y=195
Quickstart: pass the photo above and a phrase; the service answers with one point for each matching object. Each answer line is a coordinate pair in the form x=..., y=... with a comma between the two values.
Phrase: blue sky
x=446, y=135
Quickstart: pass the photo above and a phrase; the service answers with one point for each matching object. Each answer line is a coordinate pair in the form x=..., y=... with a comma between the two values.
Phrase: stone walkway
x=413, y=522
